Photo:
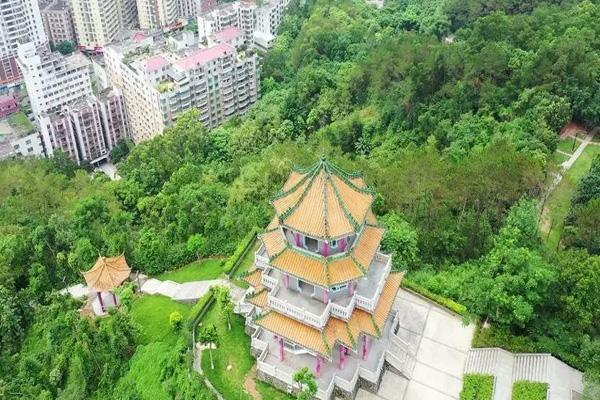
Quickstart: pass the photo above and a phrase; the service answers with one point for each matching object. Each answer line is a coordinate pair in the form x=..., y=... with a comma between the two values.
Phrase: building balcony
x=300, y=305
x=366, y=297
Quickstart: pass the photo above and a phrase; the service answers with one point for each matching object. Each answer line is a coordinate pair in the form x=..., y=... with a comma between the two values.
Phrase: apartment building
x=269, y=16
x=20, y=20
x=159, y=84
x=58, y=21
x=98, y=22
x=239, y=14
x=30, y=146
x=156, y=14
x=88, y=129
x=53, y=80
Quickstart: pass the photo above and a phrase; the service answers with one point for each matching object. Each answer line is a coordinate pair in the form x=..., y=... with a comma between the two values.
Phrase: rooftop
x=323, y=201
x=228, y=34
x=107, y=274
x=156, y=62
x=203, y=56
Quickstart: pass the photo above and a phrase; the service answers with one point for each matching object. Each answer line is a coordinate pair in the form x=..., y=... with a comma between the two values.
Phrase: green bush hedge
x=526, y=390
x=240, y=251
x=477, y=387
x=441, y=300
x=196, y=311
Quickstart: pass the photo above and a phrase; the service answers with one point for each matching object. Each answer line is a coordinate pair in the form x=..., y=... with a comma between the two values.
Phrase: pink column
x=342, y=356
x=114, y=298
x=101, y=302
x=325, y=296
x=297, y=239
x=325, y=249
x=286, y=281
x=343, y=244
x=281, y=352
x=318, y=366
x=365, y=348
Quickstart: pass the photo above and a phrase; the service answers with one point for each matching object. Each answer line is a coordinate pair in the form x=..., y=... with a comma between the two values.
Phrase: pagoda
x=107, y=274
x=321, y=293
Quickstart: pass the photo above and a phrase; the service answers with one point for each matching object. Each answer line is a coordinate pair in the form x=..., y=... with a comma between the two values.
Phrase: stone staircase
x=399, y=355
x=507, y=368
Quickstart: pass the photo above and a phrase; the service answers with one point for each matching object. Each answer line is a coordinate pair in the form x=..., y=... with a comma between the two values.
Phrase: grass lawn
x=559, y=203
x=20, y=121
x=210, y=268
x=233, y=349
x=246, y=265
x=152, y=314
x=566, y=145
x=477, y=387
x=525, y=390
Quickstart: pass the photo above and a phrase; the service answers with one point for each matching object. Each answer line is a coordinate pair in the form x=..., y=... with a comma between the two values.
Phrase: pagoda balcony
x=270, y=277
x=261, y=259
x=331, y=374
x=367, y=298
x=300, y=305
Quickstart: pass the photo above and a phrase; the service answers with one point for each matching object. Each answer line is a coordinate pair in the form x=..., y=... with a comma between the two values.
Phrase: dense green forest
x=450, y=107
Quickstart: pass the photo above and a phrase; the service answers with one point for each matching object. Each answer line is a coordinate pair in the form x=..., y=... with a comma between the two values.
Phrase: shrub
x=202, y=304
x=441, y=300
x=526, y=390
x=477, y=387
x=240, y=251
x=175, y=320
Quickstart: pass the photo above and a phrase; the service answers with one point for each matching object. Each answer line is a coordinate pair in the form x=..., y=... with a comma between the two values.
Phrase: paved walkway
x=440, y=343
x=569, y=163
x=185, y=292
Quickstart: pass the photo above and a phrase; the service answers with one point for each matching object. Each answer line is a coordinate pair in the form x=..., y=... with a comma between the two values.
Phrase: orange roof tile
x=273, y=224
x=295, y=331
x=254, y=278
x=343, y=270
x=274, y=242
x=107, y=274
x=371, y=218
x=311, y=269
x=323, y=201
x=367, y=245
x=386, y=300
x=260, y=298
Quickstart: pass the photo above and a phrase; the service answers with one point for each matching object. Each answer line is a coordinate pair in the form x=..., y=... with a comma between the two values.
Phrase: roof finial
x=323, y=157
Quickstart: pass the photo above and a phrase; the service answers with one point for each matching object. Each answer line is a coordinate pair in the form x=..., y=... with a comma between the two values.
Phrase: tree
x=401, y=241
x=209, y=337
x=227, y=310
x=11, y=322
x=175, y=320
x=197, y=245
x=225, y=305
x=65, y=47
x=307, y=383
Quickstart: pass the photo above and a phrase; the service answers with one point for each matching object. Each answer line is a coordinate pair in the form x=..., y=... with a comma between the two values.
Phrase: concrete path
x=185, y=292
x=440, y=342
x=569, y=163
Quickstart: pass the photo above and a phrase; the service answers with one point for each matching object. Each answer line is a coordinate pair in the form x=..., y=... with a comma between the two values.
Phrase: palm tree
x=209, y=336
x=228, y=312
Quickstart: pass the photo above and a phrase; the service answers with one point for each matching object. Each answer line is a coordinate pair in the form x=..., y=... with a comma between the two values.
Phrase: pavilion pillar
x=286, y=281
x=325, y=296
x=281, y=351
x=325, y=249
x=101, y=302
x=318, y=369
x=365, y=347
x=342, y=356
x=343, y=244
x=351, y=288
x=114, y=298
x=297, y=235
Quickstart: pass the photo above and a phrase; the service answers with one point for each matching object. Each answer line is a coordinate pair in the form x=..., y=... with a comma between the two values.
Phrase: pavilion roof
x=260, y=298
x=336, y=330
x=323, y=201
x=254, y=278
x=107, y=274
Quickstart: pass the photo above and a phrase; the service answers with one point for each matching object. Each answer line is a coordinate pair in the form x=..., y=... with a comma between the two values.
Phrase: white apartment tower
x=53, y=80
x=159, y=86
x=239, y=14
x=156, y=14
x=98, y=22
x=20, y=21
x=58, y=21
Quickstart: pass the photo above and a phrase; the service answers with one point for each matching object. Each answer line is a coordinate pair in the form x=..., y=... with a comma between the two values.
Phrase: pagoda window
x=334, y=244
x=339, y=288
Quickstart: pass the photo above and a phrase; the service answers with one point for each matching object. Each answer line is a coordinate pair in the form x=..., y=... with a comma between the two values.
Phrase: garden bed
x=526, y=390
x=477, y=387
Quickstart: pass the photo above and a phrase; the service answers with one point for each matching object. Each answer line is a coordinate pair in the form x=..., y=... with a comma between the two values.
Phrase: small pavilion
x=103, y=278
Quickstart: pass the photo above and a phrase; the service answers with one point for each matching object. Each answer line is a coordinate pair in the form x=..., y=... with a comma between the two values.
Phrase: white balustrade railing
x=261, y=261
x=347, y=385
x=372, y=376
x=369, y=304
x=298, y=313
x=268, y=281
x=343, y=312
x=256, y=342
x=326, y=394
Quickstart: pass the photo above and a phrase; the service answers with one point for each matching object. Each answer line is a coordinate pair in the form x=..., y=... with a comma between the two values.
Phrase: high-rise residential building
x=205, y=6
x=188, y=8
x=159, y=84
x=53, y=80
x=156, y=14
x=238, y=14
x=20, y=21
x=98, y=22
x=58, y=21
x=322, y=293
x=269, y=15
x=88, y=129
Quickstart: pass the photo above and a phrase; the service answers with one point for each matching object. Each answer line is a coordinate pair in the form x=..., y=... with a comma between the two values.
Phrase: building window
x=339, y=288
